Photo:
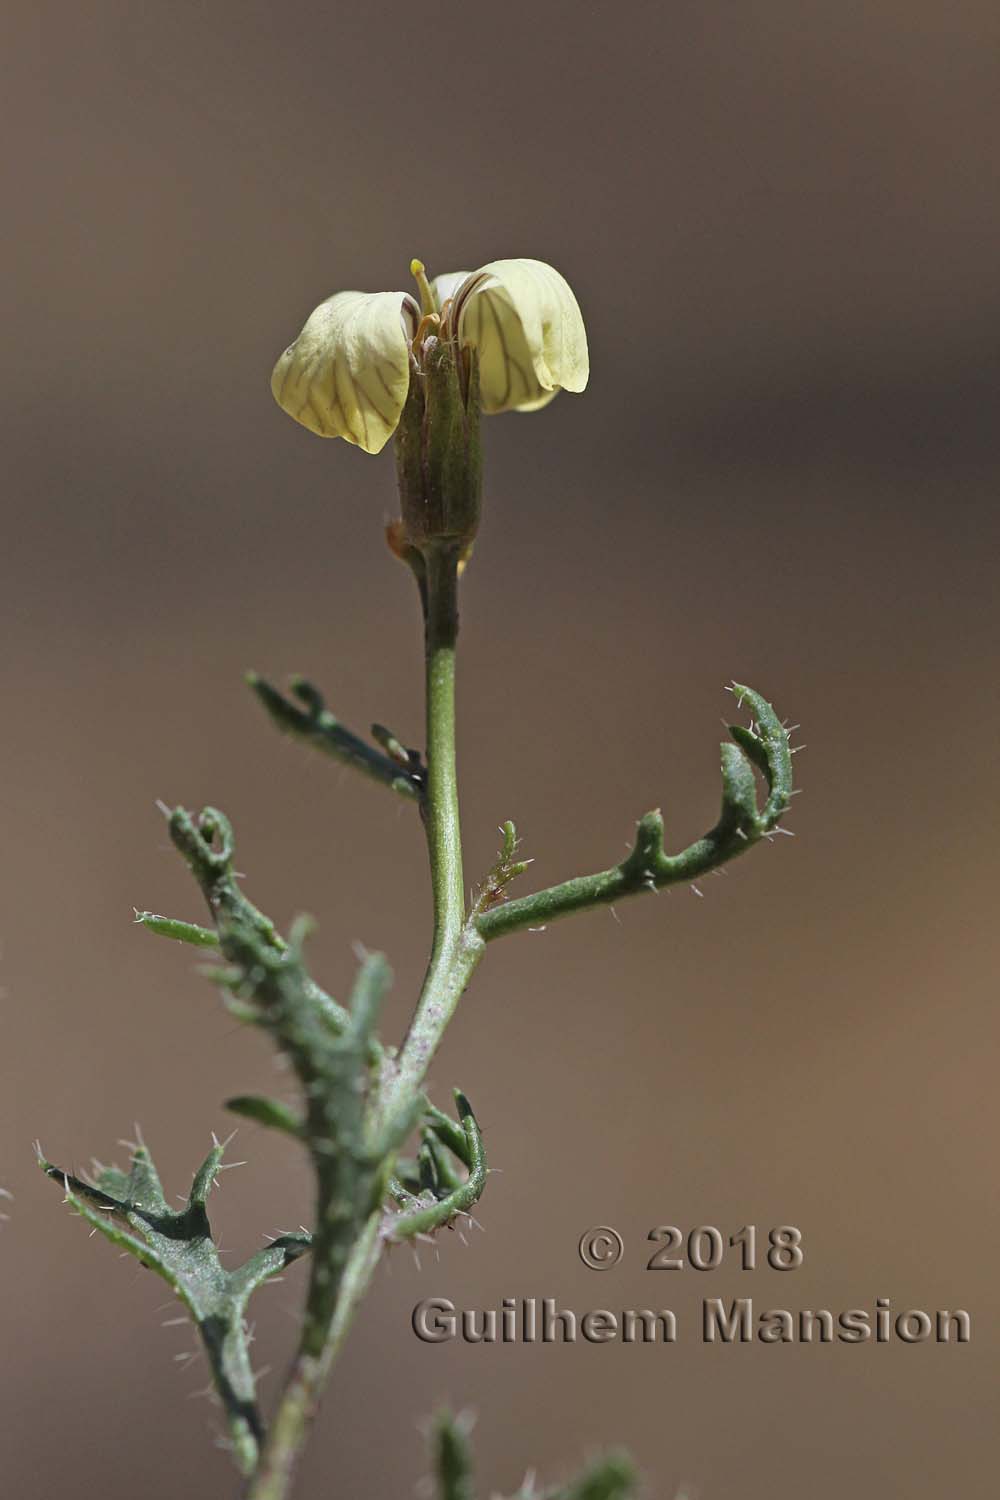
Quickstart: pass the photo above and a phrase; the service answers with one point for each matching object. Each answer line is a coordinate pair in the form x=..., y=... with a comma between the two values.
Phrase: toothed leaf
x=648, y=867
x=132, y=1213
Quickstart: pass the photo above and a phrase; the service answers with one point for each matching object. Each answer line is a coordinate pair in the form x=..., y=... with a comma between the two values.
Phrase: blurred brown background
x=781, y=220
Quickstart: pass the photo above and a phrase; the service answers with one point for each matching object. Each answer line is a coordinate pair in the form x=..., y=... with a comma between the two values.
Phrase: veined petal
x=447, y=285
x=526, y=324
x=348, y=372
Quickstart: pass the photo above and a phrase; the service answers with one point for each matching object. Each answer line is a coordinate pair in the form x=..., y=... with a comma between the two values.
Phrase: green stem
x=309, y=1375
x=457, y=946
x=456, y=949
x=440, y=805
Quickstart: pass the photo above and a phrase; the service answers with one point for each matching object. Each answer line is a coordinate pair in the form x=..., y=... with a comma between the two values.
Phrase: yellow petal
x=348, y=372
x=526, y=324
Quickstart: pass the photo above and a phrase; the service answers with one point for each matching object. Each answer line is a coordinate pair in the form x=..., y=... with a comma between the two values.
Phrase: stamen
x=428, y=325
x=419, y=273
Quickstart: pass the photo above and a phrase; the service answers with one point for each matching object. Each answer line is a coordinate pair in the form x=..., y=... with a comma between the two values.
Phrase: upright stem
x=440, y=808
x=309, y=1374
x=457, y=946
x=455, y=950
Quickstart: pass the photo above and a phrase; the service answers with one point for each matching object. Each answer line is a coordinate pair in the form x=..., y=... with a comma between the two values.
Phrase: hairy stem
x=455, y=950
x=457, y=946
x=309, y=1374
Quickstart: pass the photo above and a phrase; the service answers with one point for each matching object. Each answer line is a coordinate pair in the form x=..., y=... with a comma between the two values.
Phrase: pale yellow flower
x=348, y=372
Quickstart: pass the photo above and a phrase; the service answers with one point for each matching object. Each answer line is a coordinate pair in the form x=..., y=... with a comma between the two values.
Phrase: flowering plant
x=369, y=367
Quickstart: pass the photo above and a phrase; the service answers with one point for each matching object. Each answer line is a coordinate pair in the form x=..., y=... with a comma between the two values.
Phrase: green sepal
x=437, y=447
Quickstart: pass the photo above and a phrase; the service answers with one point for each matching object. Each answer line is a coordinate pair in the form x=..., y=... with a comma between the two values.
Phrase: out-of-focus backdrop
x=781, y=221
